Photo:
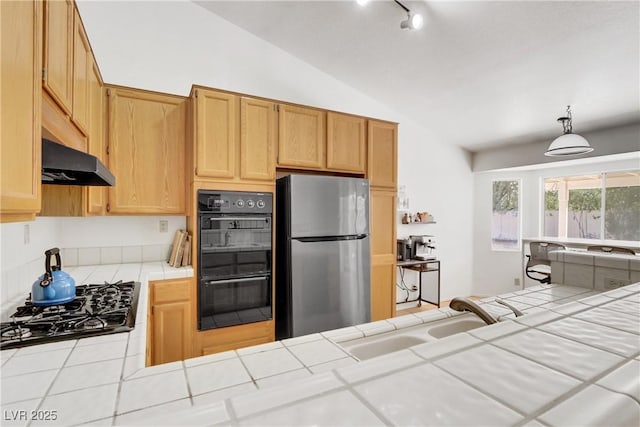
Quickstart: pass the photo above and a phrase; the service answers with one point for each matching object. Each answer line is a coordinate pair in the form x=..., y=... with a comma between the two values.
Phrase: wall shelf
x=424, y=222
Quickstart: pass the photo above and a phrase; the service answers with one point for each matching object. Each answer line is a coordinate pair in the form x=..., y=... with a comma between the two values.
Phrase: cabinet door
x=257, y=139
x=216, y=134
x=146, y=152
x=171, y=330
x=96, y=196
x=383, y=277
x=58, y=51
x=20, y=143
x=301, y=137
x=383, y=254
x=82, y=69
x=345, y=142
x=383, y=154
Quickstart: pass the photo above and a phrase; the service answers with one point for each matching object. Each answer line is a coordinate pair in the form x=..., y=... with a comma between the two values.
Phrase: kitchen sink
x=455, y=326
x=377, y=345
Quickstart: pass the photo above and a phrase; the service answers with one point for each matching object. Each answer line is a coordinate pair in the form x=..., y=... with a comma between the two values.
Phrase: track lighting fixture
x=414, y=21
x=568, y=143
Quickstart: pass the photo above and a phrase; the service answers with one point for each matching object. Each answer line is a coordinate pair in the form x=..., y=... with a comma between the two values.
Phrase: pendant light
x=569, y=143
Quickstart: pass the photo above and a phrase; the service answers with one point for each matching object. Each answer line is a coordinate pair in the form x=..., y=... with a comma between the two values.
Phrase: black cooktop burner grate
x=97, y=309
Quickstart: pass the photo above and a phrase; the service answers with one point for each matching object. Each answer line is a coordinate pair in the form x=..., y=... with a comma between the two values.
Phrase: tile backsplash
x=115, y=254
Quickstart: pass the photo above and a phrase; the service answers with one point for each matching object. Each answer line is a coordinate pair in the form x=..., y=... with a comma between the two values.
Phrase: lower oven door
x=234, y=301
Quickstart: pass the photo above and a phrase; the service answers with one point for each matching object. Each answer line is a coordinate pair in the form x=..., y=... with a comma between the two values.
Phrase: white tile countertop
x=573, y=359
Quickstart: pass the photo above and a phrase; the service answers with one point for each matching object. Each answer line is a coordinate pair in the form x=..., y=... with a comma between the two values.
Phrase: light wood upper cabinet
x=96, y=196
x=346, y=142
x=146, y=152
x=20, y=83
x=382, y=168
x=216, y=133
x=82, y=68
x=301, y=137
x=58, y=51
x=72, y=200
x=382, y=227
x=257, y=139
x=169, y=331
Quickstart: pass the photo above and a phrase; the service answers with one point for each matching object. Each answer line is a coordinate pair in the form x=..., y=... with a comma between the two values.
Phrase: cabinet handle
x=108, y=207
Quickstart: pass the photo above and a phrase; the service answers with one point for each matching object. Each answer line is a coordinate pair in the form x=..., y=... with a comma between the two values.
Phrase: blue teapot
x=54, y=286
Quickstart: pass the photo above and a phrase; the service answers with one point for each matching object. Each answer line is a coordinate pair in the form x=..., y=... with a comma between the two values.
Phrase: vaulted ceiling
x=479, y=73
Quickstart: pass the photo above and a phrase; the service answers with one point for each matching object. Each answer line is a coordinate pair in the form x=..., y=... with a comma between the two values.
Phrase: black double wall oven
x=234, y=258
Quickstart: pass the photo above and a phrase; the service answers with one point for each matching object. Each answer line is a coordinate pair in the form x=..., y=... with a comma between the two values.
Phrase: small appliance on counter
x=423, y=247
x=404, y=249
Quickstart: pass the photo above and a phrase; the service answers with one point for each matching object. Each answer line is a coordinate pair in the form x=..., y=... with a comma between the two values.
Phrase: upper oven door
x=235, y=245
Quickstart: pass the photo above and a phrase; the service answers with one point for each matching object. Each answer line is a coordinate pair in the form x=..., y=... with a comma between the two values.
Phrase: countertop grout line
x=351, y=388
x=46, y=393
x=484, y=393
x=578, y=341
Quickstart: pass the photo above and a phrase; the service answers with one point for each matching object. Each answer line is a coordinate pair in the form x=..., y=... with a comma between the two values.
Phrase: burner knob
x=250, y=203
x=260, y=204
x=240, y=203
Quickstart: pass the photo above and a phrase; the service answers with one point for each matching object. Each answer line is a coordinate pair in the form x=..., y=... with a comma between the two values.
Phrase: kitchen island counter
x=575, y=348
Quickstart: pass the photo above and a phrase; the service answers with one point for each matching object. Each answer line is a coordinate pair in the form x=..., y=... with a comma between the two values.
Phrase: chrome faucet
x=462, y=304
x=517, y=312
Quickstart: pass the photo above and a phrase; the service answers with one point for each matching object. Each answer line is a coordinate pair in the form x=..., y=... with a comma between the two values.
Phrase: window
x=601, y=206
x=505, y=226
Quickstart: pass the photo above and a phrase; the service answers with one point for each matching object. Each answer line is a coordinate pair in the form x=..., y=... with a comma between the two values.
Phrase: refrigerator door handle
x=330, y=238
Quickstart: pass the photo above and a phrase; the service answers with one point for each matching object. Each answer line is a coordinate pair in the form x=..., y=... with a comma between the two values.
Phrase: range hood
x=65, y=166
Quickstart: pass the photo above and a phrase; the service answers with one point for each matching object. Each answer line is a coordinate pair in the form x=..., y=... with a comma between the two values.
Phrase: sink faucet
x=462, y=304
x=517, y=312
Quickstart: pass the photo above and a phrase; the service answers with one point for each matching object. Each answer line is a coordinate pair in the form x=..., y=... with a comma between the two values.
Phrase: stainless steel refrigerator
x=322, y=254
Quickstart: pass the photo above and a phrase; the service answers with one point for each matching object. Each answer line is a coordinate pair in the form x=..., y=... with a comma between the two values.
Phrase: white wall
x=494, y=271
x=180, y=44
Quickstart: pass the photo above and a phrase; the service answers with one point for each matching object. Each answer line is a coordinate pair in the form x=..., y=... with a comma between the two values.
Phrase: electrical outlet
x=516, y=281
x=164, y=226
x=610, y=283
x=27, y=234
x=414, y=288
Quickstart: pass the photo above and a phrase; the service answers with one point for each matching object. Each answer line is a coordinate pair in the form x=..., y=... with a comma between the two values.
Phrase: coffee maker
x=423, y=247
x=404, y=249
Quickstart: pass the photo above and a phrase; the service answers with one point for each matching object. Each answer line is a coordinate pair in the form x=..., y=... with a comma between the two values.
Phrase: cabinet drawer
x=169, y=291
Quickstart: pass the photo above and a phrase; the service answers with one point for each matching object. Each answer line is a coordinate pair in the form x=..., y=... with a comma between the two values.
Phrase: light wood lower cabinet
x=382, y=220
x=20, y=140
x=233, y=337
x=170, y=321
x=383, y=278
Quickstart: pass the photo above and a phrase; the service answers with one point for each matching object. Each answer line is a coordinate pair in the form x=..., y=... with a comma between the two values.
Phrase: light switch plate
x=164, y=226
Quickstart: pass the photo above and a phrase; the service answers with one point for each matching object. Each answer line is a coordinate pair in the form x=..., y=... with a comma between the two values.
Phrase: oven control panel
x=234, y=202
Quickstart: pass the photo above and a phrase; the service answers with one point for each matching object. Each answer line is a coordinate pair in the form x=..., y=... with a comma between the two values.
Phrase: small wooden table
x=432, y=265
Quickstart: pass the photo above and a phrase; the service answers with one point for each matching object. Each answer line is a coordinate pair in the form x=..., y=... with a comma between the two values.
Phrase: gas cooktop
x=97, y=310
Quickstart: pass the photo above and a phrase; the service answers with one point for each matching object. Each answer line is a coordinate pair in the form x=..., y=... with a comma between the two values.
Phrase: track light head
x=414, y=21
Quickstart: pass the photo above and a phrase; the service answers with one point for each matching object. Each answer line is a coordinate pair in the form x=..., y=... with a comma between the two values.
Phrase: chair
x=538, y=262
x=611, y=249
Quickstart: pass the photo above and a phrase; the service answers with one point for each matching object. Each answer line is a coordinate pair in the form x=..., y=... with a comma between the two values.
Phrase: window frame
x=603, y=188
x=518, y=246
